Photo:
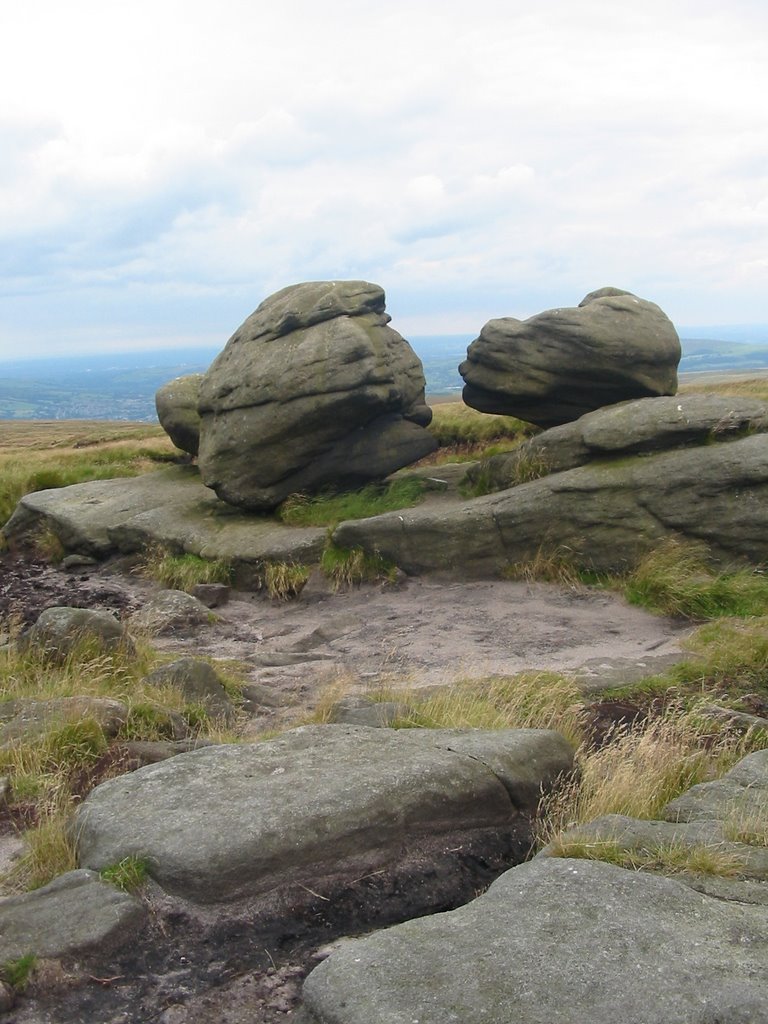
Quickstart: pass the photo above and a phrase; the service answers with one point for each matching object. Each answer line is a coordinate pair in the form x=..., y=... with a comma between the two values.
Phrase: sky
x=165, y=165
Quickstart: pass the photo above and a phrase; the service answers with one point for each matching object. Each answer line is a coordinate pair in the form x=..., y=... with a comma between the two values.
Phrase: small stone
x=213, y=595
x=72, y=563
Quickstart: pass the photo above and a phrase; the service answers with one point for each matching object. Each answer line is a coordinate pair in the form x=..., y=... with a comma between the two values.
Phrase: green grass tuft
x=182, y=572
x=347, y=567
x=17, y=973
x=284, y=580
x=677, y=579
x=670, y=858
x=129, y=874
x=332, y=508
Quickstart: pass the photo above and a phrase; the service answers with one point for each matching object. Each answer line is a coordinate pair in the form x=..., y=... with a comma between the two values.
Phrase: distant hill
x=122, y=386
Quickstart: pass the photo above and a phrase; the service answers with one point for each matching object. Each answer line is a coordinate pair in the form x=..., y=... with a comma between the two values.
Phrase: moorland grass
x=641, y=770
x=333, y=507
x=38, y=456
x=46, y=770
x=455, y=424
x=527, y=700
x=678, y=579
x=671, y=858
x=348, y=567
x=181, y=571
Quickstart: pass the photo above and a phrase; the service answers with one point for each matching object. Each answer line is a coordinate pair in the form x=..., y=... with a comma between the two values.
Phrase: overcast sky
x=167, y=164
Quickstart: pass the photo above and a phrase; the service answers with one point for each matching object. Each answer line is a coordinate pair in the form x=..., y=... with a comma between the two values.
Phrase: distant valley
x=122, y=386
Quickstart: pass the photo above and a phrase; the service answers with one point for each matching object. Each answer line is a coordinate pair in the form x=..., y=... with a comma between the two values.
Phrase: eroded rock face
x=314, y=389
x=176, y=404
x=560, y=364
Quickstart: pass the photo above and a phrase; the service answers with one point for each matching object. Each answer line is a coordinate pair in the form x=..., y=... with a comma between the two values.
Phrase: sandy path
x=429, y=632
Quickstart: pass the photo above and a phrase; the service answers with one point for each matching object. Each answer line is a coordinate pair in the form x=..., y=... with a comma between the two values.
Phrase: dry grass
x=749, y=827
x=37, y=455
x=670, y=858
x=550, y=565
x=348, y=567
x=640, y=771
x=747, y=386
x=49, y=852
x=285, y=580
x=181, y=571
x=528, y=700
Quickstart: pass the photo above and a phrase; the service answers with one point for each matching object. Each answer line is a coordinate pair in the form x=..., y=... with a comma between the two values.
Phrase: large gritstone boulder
x=226, y=822
x=563, y=363
x=313, y=390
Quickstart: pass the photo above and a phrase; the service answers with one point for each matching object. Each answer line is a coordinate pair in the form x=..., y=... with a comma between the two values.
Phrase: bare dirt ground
x=420, y=632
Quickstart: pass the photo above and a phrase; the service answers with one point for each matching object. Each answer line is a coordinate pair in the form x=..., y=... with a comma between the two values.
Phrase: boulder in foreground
x=230, y=821
x=560, y=364
x=556, y=940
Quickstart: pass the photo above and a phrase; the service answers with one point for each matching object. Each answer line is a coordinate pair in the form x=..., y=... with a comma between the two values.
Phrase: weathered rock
x=169, y=507
x=227, y=821
x=605, y=515
x=314, y=389
x=7, y=997
x=176, y=404
x=556, y=940
x=647, y=425
x=563, y=363
x=377, y=714
x=58, y=631
x=152, y=751
x=25, y=719
x=199, y=682
x=213, y=595
x=171, y=611
x=73, y=914
x=739, y=796
x=259, y=695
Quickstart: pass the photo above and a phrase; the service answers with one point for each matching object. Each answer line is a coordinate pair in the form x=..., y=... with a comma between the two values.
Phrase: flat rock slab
x=605, y=515
x=171, y=506
x=556, y=940
x=229, y=821
x=75, y=913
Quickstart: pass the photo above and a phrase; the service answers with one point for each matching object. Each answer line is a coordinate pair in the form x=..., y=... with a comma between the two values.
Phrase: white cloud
x=476, y=160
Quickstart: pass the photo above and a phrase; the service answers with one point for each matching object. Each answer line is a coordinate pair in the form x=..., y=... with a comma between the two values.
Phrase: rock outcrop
x=605, y=515
x=169, y=507
x=564, y=940
x=642, y=427
x=232, y=821
x=563, y=363
x=176, y=404
x=60, y=630
x=313, y=390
